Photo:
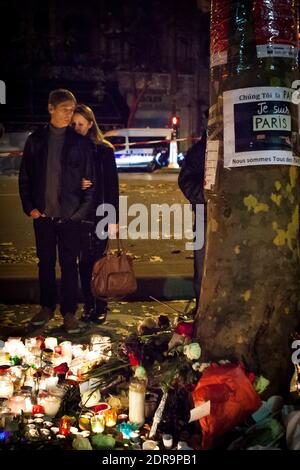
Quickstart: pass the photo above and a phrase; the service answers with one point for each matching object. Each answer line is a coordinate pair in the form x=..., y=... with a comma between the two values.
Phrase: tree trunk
x=250, y=289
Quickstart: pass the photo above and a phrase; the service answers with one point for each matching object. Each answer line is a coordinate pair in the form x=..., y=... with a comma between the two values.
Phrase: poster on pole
x=211, y=163
x=260, y=127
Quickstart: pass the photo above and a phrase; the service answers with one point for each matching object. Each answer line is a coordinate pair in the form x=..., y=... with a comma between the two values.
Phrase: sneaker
x=42, y=317
x=71, y=324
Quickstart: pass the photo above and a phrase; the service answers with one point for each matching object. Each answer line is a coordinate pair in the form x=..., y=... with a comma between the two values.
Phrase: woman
x=107, y=191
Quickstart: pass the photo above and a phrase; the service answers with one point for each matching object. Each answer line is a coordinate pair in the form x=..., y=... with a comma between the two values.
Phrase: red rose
x=133, y=360
x=185, y=329
x=62, y=369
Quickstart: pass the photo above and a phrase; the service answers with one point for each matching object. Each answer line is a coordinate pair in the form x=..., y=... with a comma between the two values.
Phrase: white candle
x=51, y=405
x=50, y=342
x=17, y=404
x=137, y=391
x=66, y=348
x=15, y=347
x=6, y=387
x=168, y=441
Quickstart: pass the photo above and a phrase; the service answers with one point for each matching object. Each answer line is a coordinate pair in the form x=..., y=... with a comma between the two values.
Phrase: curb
x=26, y=290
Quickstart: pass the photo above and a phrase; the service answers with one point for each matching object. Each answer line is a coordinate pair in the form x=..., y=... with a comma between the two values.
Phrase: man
x=191, y=183
x=54, y=162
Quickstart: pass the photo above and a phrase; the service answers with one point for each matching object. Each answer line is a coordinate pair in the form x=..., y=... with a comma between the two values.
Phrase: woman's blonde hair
x=94, y=132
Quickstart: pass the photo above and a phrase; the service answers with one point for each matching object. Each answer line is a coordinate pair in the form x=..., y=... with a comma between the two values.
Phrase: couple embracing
x=67, y=170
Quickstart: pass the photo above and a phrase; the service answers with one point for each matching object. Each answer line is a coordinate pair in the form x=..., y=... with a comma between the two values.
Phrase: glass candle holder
x=17, y=404
x=98, y=423
x=37, y=409
x=47, y=355
x=110, y=417
x=6, y=387
x=137, y=392
x=84, y=422
x=51, y=405
x=50, y=343
x=65, y=425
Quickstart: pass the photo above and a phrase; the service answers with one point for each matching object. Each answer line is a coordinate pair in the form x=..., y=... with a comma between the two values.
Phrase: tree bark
x=250, y=288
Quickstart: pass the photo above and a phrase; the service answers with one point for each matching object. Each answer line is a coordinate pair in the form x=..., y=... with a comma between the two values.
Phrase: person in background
x=54, y=162
x=191, y=183
x=107, y=191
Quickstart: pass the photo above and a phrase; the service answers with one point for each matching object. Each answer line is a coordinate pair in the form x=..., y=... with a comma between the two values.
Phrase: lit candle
x=6, y=387
x=37, y=409
x=84, y=422
x=16, y=404
x=15, y=347
x=65, y=425
x=98, y=423
x=66, y=349
x=110, y=417
x=51, y=405
x=50, y=342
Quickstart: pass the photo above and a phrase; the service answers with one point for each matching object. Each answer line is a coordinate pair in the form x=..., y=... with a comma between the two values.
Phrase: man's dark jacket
x=191, y=176
x=76, y=163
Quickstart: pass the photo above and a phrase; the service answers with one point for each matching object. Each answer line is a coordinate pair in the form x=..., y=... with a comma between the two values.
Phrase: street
x=155, y=260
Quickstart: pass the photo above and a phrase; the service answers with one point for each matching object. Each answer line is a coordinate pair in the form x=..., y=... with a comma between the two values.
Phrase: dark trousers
x=51, y=234
x=91, y=249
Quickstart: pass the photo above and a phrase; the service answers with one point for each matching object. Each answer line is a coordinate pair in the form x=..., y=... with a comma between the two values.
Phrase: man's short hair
x=59, y=96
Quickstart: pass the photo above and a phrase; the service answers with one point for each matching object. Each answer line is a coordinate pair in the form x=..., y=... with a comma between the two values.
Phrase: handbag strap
x=109, y=246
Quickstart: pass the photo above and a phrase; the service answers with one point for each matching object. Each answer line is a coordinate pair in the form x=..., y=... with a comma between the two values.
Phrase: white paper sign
x=200, y=411
x=211, y=162
x=258, y=127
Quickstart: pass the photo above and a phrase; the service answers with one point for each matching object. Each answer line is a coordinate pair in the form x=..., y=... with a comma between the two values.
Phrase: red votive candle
x=37, y=409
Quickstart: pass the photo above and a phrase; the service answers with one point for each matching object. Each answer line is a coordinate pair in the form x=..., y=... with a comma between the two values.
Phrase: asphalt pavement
x=163, y=266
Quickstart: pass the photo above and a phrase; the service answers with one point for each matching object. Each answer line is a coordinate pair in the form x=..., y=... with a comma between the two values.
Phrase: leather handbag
x=113, y=274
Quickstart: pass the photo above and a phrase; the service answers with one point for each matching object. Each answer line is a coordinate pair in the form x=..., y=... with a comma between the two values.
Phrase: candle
x=134, y=436
x=137, y=391
x=6, y=387
x=168, y=441
x=150, y=445
x=51, y=383
x=66, y=349
x=15, y=347
x=30, y=342
x=37, y=409
x=65, y=425
x=16, y=404
x=98, y=423
x=45, y=432
x=4, y=358
x=50, y=343
x=122, y=418
x=51, y=405
x=110, y=417
x=84, y=422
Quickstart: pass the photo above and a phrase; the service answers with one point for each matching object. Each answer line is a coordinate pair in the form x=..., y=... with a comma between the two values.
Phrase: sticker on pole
x=260, y=127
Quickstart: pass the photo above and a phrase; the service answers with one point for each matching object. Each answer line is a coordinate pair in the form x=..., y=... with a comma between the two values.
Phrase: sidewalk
x=122, y=320
x=163, y=267
x=166, y=280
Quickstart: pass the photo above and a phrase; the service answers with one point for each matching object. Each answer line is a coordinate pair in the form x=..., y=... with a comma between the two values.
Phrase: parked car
x=12, y=143
x=11, y=151
x=141, y=147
